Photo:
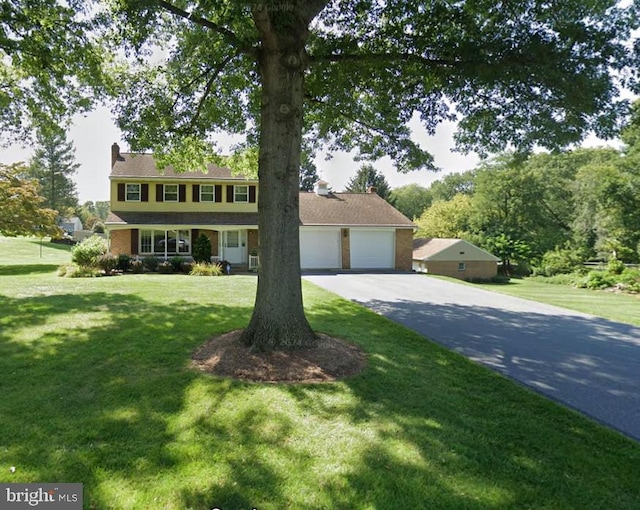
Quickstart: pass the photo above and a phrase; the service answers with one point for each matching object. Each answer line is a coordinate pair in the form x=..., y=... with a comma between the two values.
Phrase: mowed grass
x=610, y=305
x=95, y=388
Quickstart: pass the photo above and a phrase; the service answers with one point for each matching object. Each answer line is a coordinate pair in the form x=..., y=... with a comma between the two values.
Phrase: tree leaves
x=21, y=212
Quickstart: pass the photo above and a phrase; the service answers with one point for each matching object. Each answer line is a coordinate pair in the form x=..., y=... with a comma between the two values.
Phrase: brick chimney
x=115, y=154
x=372, y=189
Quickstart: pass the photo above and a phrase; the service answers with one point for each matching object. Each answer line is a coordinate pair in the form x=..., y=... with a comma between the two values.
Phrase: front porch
x=238, y=246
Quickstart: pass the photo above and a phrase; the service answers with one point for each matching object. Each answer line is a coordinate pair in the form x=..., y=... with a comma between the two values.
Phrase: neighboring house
x=71, y=224
x=453, y=257
x=162, y=214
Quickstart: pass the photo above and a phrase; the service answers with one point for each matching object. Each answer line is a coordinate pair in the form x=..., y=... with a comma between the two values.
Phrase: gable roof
x=350, y=209
x=449, y=249
x=137, y=165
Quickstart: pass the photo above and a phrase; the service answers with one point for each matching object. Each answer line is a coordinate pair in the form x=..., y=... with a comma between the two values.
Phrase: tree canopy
x=411, y=200
x=51, y=64
x=22, y=212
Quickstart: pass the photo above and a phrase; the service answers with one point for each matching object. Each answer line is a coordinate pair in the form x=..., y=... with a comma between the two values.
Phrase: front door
x=233, y=246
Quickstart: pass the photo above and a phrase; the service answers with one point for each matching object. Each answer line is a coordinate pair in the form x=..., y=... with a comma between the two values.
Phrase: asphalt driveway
x=585, y=362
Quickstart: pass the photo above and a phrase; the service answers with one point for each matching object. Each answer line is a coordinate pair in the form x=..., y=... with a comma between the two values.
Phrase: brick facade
x=120, y=242
x=345, y=248
x=252, y=241
x=404, y=249
x=213, y=237
x=482, y=270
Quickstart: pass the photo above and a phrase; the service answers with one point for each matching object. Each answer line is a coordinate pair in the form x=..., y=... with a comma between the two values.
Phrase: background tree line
x=575, y=205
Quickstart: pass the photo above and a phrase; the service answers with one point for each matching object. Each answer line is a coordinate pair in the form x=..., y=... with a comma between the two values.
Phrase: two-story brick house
x=162, y=214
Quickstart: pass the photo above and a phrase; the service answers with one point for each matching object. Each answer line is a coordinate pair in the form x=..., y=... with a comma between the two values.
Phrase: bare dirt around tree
x=333, y=359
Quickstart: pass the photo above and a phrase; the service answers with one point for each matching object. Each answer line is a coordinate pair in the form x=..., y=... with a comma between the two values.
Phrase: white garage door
x=320, y=248
x=372, y=249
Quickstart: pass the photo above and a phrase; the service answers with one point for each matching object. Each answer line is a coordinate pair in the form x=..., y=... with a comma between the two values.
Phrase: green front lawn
x=602, y=303
x=95, y=388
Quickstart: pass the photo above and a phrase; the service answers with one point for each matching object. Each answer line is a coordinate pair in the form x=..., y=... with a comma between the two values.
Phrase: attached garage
x=372, y=249
x=320, y=248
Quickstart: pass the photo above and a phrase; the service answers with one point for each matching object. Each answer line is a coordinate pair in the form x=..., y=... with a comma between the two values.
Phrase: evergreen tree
x=368, y=177
x=53, y=166
x=308, y=173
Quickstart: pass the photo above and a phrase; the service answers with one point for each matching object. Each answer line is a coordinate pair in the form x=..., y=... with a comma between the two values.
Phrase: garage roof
x=350, y=209
x=448, y=249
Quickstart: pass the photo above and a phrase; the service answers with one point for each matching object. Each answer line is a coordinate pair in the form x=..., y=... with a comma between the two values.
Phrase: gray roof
x=187, y=218
x=137, y=165
x=350, y=209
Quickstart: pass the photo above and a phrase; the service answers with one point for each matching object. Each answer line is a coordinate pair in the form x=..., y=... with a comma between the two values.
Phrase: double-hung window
x=241, y=193
x=132, y=193
x=207, y=193
x=170, y=192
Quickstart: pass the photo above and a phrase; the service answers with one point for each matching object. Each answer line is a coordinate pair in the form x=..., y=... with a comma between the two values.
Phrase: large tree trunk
x=278, y=321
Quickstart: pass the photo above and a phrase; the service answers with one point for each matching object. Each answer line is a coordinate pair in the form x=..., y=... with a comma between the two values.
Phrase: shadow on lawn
x=24, y=269
x=109, y=403
x=475, y=440
x=92, y=403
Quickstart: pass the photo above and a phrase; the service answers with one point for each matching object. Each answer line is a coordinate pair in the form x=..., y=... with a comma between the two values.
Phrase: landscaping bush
x=202, y=249
x=108, y=263
x=176, y=263
x=615, y=266
x=630, y=280
x=560, y=261
x=150, y=263
x=204, y=269
x=598, y=280
x=572, y=279
x=187, y=266
x=165, y=267
x=136, y=266
x=88, y=252
x=74, y=271
x=124, y=262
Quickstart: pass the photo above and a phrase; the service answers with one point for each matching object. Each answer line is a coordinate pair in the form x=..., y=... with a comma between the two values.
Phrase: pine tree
x=368, y=177
x=53, y=166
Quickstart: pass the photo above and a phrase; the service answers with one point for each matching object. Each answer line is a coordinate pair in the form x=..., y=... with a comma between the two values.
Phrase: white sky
x=93, y=134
